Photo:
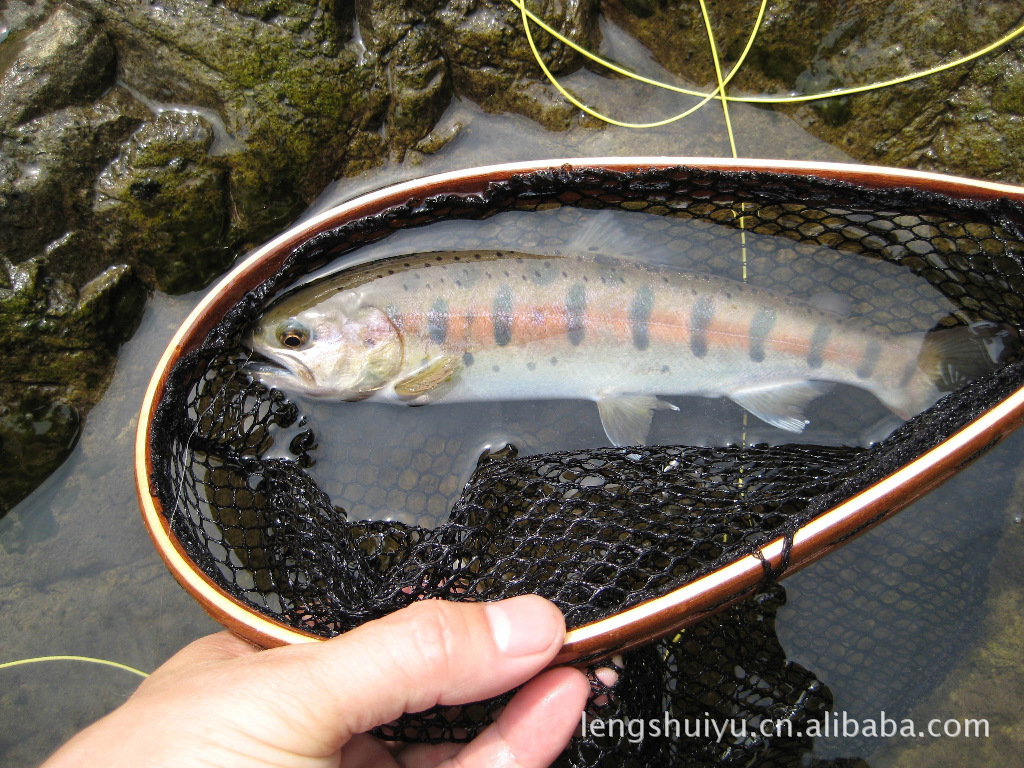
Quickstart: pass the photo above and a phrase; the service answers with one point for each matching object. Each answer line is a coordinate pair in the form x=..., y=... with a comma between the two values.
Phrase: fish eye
x=292, y=335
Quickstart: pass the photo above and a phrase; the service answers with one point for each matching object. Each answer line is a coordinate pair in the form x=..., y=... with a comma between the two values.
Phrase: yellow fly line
x=529, y=16
x=718, y=93
x=86, y=659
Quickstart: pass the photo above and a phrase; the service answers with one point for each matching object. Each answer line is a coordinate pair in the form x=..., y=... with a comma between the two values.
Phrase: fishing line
x=521, y=5
x=1009, y=36
x=86, y=659
x=732, y=145
x=838, y=93
x=529, y=16
x=718, y=75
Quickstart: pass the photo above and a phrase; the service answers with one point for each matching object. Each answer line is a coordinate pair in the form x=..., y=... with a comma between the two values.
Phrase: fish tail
x=949, y=359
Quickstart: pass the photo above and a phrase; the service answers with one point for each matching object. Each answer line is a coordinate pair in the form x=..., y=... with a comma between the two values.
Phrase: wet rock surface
x=966, y=120
x=163, y=140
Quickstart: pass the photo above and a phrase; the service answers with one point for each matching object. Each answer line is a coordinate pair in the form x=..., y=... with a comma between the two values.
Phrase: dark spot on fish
x=575, y=314
x=585, y=279
x=700, y=319
x=437, y=321
x=547, y=265
x=458, y=258
x=639, y=316
x=531, y=366
x=406, y=265
x=458, y=283
x=664, y=279
x=524, y=277
x=495, y=368
x=501, y=315
x=476, y=256
x=438, y=258
x=554, y=361
x=467, y=359
x=665, y=369
x=818, y=340
x=565, y=274
x=391, y=271
x=405, y=287
x=760, y=327
x=872, y=353
x=536, y=272
x=417, y=276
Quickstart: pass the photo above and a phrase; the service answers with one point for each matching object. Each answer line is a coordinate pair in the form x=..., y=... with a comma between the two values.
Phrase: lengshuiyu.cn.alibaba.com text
x=833, y=724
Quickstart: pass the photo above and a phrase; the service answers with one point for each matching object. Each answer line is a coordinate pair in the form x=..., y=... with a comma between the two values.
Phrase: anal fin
x=781, y=405
x=627, y=418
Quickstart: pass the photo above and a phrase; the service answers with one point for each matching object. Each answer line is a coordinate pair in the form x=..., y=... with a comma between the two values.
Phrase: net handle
x=654, y=618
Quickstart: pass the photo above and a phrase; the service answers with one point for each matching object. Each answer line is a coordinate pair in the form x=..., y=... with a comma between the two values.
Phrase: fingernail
x=522, y=625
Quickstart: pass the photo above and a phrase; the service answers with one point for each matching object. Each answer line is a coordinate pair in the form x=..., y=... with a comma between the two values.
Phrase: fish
x=482, y=325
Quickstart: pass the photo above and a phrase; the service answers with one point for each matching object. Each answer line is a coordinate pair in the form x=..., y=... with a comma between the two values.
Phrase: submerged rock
x=37, y=432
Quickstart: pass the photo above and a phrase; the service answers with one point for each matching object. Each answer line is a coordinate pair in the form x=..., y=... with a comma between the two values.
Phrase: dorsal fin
x=834, y=303
x=603, y=234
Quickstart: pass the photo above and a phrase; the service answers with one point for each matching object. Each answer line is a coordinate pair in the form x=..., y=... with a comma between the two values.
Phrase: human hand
x=219, y=702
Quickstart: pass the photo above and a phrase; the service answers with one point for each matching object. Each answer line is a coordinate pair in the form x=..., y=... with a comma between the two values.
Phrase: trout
x=497, y=325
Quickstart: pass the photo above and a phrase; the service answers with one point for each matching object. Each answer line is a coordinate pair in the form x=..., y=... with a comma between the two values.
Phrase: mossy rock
x=162, y=141
x=964, y=120
x=164, y=202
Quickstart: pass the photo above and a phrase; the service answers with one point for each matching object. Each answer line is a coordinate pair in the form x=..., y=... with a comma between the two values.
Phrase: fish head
x=338, y=349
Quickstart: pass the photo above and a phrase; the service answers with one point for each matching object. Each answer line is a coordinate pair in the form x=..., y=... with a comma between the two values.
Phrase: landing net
x=595, y=530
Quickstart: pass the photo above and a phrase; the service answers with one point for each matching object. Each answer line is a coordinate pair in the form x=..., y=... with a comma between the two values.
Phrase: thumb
x=433, y=652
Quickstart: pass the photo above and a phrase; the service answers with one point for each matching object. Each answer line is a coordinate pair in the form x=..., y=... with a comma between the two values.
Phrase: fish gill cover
x=596, y=529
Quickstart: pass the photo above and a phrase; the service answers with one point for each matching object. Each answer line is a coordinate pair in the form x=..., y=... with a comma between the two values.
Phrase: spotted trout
x=496, y=325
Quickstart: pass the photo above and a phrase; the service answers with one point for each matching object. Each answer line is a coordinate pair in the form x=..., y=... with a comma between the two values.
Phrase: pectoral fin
x=430, y=378
x=783, y=405
x=627, y=418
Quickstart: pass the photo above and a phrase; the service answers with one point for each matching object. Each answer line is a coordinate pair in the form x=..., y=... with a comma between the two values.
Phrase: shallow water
x=79, y=575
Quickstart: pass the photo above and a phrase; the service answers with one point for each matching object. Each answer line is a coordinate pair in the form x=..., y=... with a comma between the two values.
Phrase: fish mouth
x=272, y=372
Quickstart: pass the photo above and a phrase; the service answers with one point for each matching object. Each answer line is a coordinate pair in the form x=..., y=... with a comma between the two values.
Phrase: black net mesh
x=597, y=529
